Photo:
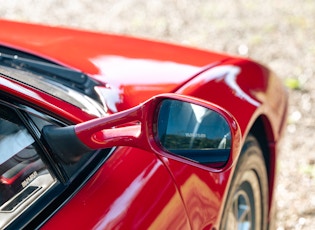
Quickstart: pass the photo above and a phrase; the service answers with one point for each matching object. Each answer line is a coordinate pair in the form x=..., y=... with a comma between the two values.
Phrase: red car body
x=137, y=188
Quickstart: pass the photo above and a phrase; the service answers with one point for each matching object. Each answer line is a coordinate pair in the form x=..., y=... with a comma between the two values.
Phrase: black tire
x=247, y=201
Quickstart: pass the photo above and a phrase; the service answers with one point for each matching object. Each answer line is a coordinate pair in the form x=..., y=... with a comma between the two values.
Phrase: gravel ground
x=278, y=33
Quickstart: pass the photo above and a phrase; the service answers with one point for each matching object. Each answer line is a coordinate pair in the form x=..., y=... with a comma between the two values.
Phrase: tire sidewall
x=250, y=170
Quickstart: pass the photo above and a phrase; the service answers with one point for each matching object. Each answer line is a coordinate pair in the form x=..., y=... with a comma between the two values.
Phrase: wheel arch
x=262, y=131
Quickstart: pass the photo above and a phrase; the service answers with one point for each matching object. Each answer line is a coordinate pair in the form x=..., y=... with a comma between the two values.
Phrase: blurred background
x=279, y=34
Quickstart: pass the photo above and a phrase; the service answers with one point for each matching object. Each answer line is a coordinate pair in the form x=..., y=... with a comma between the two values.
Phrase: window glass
x=23, y=174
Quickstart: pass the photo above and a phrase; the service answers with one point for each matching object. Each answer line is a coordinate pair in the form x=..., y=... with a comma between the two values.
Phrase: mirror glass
x=192, y=131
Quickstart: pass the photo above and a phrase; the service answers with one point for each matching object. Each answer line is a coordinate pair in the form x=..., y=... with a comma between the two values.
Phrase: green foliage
x=293, y=83
x=182, y=142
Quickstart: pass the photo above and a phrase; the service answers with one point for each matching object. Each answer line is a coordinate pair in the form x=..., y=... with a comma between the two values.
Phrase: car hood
x=131, y=70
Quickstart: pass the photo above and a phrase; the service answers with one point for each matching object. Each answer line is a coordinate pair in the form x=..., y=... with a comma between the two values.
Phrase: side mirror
x=177, y=125
x=194, y=132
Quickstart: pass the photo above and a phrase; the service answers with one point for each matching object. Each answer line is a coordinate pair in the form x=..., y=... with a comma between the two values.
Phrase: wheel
x=247, y=201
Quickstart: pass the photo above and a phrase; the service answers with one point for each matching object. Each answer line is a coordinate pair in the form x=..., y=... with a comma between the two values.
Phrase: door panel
x=132, y=190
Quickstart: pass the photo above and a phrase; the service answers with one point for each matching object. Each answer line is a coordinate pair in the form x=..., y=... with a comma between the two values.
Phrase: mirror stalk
x=64, y=143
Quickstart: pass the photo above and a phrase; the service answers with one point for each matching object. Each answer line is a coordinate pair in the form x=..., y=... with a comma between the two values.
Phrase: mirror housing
x=171, y=124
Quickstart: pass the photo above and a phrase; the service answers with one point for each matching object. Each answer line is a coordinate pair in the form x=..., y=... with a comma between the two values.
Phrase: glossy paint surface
x=133, y=190
x=244, y=88
x=137, y=189
x=132, y=70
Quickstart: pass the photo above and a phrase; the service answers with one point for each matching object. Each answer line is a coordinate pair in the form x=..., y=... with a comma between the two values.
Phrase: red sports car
x=101, y=131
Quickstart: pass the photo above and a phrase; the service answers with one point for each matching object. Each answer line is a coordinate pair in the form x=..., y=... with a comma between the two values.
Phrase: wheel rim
x=245, y=210
x=241, y=210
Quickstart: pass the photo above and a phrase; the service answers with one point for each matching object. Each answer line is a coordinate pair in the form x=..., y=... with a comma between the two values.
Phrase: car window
x=24, y=176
